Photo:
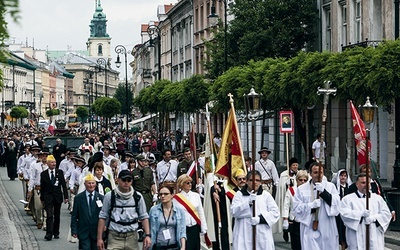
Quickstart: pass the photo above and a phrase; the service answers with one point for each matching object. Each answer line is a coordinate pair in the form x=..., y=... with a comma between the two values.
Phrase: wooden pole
x=287, y=151
x=253, y=174
x=367, y=173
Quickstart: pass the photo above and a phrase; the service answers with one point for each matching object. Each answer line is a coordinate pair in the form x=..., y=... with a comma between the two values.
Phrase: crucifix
x=326, y=91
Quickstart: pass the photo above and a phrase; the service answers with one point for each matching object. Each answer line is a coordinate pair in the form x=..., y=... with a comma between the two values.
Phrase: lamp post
x=253, y=105
x=105, y=63
x=153, y=30
x=120, y=49
x=214, y=15
x=368, y=111
x=40, y=103
x=89, y=88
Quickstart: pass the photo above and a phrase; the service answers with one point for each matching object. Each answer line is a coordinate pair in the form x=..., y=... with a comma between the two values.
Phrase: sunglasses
x=302, y=180
x=241, y=179
x=188, y=182
x=127, y=179
x=163, y=194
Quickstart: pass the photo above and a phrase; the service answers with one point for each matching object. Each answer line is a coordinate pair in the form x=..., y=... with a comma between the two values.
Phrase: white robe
x=280, y=197
x=351, y=210
x=242, y=212
x=326, y=236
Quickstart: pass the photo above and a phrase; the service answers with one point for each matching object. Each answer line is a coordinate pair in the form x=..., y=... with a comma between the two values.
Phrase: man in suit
x=53, y=192
x=85, y=215
x=59, y=152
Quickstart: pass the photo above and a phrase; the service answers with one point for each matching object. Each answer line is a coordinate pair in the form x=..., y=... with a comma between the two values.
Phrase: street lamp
x=368, y=111
x=153, y=30
x=253, y=106
x=120, y=49
x=40, y=103
x=89, y=88
x=105, y=63
x=213, y=15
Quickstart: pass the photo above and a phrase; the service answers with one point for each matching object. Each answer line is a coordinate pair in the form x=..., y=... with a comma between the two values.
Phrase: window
x=358, y=21
x=100, y=50
x=344, y=25
x=328, y=29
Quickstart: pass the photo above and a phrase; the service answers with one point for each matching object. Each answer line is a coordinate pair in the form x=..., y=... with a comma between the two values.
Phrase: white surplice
x=351, y=210
x=242, y=212
x=326, y=236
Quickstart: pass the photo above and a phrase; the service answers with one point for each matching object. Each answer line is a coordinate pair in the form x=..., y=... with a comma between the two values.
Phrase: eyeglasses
x=257, y=180
x=127, y=179
x=163, y=194
x=302, y=180
x=241, y=179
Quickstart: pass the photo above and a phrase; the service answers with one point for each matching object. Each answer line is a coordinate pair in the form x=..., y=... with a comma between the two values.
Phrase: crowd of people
x=120, y=194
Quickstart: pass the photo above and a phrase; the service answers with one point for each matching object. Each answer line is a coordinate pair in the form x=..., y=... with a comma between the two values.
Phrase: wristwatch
x=147, y=235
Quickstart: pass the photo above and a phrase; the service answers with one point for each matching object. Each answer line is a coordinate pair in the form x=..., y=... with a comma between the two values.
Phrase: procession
x=120, y=196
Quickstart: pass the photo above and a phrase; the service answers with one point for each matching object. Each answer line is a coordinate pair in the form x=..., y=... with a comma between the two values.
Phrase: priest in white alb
x=355, y=216
x=308, y=207
x=267, y=214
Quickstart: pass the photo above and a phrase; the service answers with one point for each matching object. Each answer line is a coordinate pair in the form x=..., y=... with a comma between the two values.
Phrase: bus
x=74, y=121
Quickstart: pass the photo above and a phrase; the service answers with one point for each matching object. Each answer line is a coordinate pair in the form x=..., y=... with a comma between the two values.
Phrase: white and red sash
x=181, y=199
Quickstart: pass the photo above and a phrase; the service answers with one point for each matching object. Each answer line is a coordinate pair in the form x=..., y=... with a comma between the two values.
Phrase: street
x=18, y=230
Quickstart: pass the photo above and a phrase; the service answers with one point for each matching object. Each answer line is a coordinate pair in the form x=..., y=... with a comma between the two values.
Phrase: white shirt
x=195, y=200
x=268, y=170
x=36, y=170
x=316, y=146
x=167, y=171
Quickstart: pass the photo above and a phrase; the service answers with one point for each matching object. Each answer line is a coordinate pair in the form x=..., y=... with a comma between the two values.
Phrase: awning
x=143, y=119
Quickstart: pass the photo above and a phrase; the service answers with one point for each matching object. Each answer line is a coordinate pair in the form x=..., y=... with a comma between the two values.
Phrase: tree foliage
x=120, y=95
x=106, y=107
x=188, y=95
x=263, y=29
x=19, y=112
x=82, y=112
x=52, y=112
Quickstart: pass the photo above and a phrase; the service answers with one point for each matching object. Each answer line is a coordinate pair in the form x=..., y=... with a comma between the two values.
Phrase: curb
x=22, y=237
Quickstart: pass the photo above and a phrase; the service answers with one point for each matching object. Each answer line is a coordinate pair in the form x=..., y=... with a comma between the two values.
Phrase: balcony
x=366, y=43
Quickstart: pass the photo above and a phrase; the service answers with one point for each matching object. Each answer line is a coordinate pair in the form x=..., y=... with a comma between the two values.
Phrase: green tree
x=106, y=107
x=19, y=112
x=52, y=112
x=263, y=29
x=82, y=112
x=120, y=95
x=11, y=8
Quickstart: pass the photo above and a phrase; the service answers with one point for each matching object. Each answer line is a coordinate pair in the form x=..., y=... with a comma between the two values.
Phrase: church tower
x=99, y=42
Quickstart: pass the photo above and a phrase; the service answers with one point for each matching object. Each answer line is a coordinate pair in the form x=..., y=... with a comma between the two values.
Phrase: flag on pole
x=360, y=135
x=230, y=156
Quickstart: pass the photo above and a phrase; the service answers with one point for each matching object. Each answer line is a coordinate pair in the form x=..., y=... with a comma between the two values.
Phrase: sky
x=63, y=24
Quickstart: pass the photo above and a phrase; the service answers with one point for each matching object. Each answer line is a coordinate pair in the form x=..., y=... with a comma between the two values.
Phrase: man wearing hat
x=23, y=168
x=34, y=188
x=146, y=150
x=123, y=217
x=107, y=157
x=85, y=215
x=143, y=181
x=269, y=173
x=53, y=192
x=287, y=179
x=240, y=177
x=124, y=165
x=74, y=179
x=185, y=165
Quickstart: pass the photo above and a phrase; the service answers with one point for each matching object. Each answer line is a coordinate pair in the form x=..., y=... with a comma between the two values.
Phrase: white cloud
x=58, y=24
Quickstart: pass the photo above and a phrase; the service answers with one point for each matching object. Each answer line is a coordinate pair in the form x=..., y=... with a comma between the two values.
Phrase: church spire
x=98, y=25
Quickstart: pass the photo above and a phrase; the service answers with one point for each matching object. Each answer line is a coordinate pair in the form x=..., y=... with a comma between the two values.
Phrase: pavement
x=18, y=231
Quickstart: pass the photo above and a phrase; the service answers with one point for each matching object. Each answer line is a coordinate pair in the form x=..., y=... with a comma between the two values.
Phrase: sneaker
x=141, y=235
